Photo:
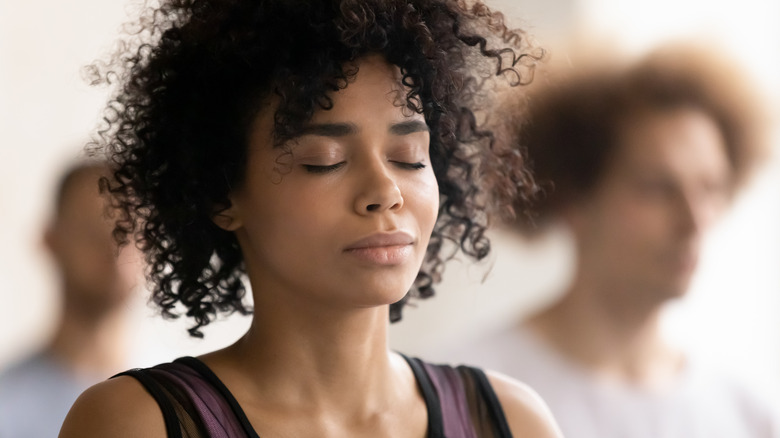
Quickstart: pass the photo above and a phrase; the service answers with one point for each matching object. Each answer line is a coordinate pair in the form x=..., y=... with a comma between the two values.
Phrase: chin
x=675, y=290
x=387, y=296
x=372, y=294
x=678, y=293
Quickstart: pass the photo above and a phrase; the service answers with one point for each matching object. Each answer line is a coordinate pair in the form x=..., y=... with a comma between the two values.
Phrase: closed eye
x=410, y=166
x=311, y=168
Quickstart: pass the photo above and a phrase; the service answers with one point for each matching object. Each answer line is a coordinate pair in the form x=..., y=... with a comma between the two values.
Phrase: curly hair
x=570, y=126
x=194, y=73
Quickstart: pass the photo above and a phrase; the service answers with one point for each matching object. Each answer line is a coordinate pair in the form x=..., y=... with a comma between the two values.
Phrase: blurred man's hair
x=573, y=118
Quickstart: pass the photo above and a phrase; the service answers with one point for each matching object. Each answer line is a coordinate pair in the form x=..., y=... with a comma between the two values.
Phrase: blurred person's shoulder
x=34, y=385
x=29, y=367
x=731, y=397
x=118, y=407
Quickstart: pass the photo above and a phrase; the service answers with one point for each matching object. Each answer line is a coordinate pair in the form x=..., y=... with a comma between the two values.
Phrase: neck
x=311, y=357
x=619, y=339
x=89, y=345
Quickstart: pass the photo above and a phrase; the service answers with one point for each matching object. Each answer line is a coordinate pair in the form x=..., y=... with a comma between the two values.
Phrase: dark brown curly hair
x=194, y=73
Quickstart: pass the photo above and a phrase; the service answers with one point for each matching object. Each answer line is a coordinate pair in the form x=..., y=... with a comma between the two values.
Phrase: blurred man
x=638, y=163
x=89, y=341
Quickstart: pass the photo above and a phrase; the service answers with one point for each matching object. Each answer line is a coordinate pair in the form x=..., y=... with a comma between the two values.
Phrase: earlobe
x=227, y=218
x=572, y=216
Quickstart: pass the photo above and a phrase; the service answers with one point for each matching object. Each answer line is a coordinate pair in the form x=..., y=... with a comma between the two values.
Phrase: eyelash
x=322, y=169
x=410, y=166
x=325, y=169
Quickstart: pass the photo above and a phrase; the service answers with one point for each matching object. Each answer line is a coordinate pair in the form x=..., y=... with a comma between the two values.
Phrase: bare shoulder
x=119, y=408
x=526, y=413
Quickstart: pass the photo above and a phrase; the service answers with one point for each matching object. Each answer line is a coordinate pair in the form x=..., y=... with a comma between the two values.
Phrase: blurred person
x=326, y=168
x=637, y=161
x=95, y=283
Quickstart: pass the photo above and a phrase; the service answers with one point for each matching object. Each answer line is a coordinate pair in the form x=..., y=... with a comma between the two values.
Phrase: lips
x=379, y=240
x=382, y=248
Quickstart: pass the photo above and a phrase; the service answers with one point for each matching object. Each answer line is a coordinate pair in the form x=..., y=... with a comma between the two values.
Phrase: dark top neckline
x=431, y=398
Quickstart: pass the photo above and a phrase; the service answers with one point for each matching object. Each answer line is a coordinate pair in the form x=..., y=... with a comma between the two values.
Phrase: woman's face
x=344, y=219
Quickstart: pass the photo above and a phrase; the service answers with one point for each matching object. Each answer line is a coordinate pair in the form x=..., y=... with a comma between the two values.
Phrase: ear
x=49, y=239
x=228, y=218
x=573, y=215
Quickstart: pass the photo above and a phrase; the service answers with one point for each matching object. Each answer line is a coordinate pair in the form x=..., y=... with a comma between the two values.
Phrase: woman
x=326, y=151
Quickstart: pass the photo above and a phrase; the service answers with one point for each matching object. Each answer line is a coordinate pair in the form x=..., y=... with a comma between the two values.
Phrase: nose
x=688, y=220
x=696, y=214
x=378, y=192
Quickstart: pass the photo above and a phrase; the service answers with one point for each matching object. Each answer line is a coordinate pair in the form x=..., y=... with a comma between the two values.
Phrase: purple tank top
x=196, y=404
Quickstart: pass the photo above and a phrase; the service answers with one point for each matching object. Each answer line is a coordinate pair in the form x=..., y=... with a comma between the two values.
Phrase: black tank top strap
x=493, y=404
x=172, y=429
x=432, y=403
x=467, y=404
x=194, y=402
x=217, y=384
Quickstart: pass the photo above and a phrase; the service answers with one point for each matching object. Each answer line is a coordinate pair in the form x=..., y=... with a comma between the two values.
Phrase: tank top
x=195, y=404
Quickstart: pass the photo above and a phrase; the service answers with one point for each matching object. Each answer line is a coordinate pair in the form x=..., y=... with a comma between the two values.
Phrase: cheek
x=426, y=201
x=90, y=269
x=291, y=214
x=87, y=255
x=638, y=223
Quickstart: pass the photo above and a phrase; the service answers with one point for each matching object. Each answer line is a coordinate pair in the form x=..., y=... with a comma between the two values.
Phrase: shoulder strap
x=172, y=428
x=435, y=421
x=489, y=395
x=212, y=378
x=193, y=401
x=462, y=400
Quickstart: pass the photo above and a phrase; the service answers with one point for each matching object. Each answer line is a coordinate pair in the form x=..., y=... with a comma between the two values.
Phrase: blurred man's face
x=642, y=226
x=95, y=278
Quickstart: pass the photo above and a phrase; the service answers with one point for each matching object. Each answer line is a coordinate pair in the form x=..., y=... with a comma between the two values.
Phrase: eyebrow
x=330, y=129
x=408, y=127
x=344, y=129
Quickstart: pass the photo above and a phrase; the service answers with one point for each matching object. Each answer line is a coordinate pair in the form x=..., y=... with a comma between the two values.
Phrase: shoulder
x=526, y=413
x=754, y=405
x=29, y=368
x=119, y=408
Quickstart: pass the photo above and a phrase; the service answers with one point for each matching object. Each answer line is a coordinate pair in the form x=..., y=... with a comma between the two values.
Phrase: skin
x=638, y=237
x=316, y=362
x=95, y=281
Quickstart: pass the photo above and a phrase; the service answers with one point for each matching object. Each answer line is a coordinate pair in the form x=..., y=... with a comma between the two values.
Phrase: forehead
x=375, y=90
x=80, y=187
x=374, y=96
x=83, y=204
x=683, y=141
